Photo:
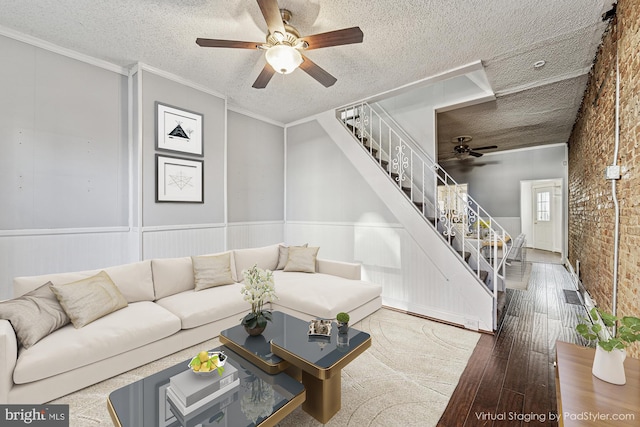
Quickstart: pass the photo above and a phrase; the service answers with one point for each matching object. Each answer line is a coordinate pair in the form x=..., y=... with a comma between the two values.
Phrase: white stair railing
x=461, y=221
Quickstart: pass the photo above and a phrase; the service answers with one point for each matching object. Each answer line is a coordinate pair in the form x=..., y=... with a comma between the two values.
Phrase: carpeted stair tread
x=482, y=275
x=373, y=151
x=465, y=255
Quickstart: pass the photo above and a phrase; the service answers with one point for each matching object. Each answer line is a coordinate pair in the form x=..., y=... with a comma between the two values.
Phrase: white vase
x=609, y=365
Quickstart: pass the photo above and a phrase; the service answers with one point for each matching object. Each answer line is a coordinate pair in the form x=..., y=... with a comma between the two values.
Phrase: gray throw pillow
x=34, y=315
x=302, y=259
x=89, y=299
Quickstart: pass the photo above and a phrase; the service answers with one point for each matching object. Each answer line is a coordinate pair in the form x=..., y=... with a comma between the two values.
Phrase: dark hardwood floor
x=510, y=377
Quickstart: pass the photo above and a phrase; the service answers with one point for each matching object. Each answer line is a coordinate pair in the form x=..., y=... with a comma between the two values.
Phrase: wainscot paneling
x=254, y=234
x=34, y=252
x=169, y=242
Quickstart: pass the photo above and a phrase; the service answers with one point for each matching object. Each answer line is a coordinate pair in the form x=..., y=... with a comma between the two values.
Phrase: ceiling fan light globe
x=283, y=58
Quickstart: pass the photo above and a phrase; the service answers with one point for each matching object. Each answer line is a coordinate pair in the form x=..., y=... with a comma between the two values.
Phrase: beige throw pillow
x=302, y=259
x=284, y=255
x=89, y=299
x=34, y=315
x=212, y=270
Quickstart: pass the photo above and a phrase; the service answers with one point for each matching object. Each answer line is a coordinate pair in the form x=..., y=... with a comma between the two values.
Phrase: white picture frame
x=179, y=179
x=179, y=130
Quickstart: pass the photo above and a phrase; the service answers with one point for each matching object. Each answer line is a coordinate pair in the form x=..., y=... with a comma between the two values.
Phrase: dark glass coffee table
x=317, y=361
x=261, y=399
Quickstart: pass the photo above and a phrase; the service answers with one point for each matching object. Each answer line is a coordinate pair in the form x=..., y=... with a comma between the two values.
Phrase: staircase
x=476, y=239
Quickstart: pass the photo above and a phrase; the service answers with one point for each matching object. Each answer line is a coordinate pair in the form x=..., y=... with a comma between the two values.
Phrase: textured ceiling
x=404, y=41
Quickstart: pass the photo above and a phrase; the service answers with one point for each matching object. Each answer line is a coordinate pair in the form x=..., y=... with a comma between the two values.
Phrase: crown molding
x=141, y=66
x=51, y=47
x=254, y=115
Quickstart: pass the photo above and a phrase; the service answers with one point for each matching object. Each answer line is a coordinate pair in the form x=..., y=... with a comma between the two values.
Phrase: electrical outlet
x=613, y=172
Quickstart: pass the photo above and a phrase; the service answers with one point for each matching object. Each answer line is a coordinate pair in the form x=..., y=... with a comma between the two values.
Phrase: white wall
x=80, y=170
x=415, y=110
x=156, y=88
x=331, y=203
x=64, y=141
x=494, y=180
x=255, y=161
x=64, y=164
x=322, y=184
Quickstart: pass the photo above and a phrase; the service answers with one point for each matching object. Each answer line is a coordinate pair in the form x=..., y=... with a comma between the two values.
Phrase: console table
x=584, y=400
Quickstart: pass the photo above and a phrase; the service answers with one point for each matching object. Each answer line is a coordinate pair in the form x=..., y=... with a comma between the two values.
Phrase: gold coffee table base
x=324, y=397
x=323, y=386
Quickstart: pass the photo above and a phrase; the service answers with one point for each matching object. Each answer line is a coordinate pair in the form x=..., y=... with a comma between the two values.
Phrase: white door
x=543, y=218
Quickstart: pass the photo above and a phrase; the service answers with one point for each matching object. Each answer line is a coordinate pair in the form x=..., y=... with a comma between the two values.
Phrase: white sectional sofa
x=164, y=314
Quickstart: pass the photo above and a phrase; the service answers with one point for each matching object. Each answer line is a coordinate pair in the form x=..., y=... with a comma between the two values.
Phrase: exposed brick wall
x=591, y=148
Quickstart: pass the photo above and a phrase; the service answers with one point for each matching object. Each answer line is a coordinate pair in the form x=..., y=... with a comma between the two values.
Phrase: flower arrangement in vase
x=258, y=289
x=610, y=349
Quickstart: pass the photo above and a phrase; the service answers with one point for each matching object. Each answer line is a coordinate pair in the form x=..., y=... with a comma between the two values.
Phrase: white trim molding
x=43, y=44
x=151, y=229
x=170, y=76
x=61, y=231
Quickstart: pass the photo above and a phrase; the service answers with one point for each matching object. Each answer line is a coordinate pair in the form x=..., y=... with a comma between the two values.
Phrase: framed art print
x=179, y=180
x=178, y=130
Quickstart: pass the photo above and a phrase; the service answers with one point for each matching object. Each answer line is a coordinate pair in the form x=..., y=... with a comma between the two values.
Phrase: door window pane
x=543, y=206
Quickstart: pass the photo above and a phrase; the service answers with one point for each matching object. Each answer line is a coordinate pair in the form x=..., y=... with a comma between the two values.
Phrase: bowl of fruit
x=208, y=362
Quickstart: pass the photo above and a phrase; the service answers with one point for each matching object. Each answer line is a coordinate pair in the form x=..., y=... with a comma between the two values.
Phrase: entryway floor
x=538, y=255
x=512, y=372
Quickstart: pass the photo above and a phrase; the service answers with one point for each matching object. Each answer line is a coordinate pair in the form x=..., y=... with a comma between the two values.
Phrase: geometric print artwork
x=179, y=180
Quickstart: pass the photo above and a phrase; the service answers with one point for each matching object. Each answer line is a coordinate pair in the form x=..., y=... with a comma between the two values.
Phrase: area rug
x=405, y=378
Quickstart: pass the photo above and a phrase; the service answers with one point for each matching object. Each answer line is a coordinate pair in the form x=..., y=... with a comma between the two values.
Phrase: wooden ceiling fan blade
x=271, y=13
x=334, y=38
x=264, y=77
x=227, y=43
x=488, y=147
x=317, y=72
x=474, y=154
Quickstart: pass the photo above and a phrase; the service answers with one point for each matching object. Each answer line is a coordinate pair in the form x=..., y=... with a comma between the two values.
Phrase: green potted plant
x=258, y=289
x=610, y=348
x=343, y=322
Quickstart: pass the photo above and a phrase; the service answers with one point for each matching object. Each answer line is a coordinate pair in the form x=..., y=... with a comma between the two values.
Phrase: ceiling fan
x=462, y=149
x=284, y=45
